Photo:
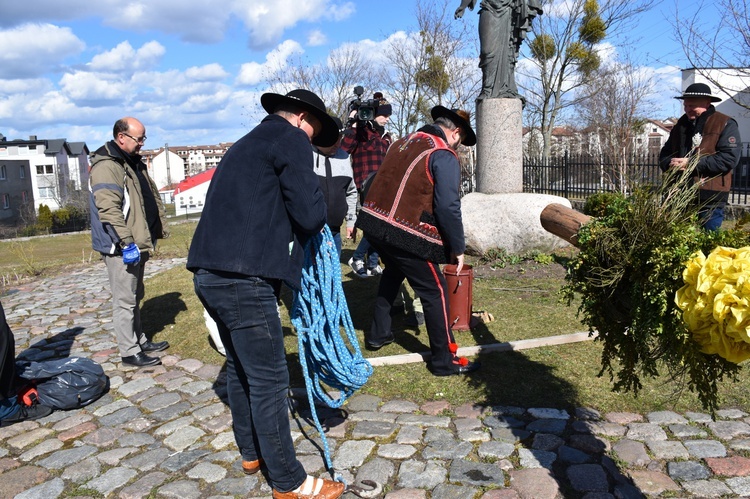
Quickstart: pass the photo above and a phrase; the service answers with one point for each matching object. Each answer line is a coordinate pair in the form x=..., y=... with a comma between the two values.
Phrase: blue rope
x=318, y=313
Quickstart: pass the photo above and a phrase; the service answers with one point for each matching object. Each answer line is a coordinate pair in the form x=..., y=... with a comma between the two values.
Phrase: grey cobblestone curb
x=165, y=432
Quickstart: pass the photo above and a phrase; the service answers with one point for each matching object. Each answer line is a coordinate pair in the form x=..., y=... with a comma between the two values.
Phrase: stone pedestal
x=499, y=146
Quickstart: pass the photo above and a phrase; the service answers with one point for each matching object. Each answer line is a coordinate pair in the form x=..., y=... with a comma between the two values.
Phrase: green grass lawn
x=522, y=297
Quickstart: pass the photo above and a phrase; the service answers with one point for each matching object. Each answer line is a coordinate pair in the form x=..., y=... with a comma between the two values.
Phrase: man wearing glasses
x=127, y=218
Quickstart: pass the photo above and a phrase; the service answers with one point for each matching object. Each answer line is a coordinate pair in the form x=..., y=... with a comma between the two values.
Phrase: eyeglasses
x=139, y=141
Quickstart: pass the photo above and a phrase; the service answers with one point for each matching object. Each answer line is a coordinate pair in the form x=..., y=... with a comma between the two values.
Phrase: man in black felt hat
x=709, y=142
x=264, y=202
x=412, y=216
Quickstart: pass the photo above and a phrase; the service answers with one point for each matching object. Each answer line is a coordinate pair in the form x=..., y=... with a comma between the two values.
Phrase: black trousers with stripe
x=428, y=282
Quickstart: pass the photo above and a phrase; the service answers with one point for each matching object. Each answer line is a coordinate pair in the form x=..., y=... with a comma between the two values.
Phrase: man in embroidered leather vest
x=412, y=216
x=714, y=139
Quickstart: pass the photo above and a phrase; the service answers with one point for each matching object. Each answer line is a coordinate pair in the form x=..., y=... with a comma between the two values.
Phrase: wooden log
x=563, y=222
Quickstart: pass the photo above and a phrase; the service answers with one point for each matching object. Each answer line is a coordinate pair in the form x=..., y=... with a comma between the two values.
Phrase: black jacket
x=263, y=196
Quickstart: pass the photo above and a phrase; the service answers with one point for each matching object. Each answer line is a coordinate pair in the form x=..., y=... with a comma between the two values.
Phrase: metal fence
x=577, y=177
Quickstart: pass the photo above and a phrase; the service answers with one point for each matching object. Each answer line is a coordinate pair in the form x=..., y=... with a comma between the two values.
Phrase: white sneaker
x=358, y=266
x=376, y=270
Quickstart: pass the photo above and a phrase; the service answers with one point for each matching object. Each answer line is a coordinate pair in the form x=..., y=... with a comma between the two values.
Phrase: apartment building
x=37, y=171
x=195, y=159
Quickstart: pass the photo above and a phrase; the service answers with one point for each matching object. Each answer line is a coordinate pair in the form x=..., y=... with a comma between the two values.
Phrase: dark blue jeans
x=365, y=249
x=246, y=314
x=337, y=242
x=711, y=217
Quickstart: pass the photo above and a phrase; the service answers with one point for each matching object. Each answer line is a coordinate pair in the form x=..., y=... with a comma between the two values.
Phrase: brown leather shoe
x=251, y=467
x=329, y=490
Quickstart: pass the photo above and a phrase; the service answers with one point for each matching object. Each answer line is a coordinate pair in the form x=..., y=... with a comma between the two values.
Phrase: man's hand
x=351, y=233
x=131, y=254
x=459, y=263
x=679, y=163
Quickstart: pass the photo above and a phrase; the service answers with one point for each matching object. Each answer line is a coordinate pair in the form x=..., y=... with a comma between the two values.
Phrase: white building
x=195, y=159
x=190, y=194
x=57, y=168
x=166, y=168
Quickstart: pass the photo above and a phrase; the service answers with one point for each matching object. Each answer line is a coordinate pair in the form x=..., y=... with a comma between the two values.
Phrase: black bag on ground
x=65, y=383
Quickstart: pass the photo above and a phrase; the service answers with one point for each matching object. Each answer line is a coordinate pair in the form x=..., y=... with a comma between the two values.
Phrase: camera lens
x=366, y=113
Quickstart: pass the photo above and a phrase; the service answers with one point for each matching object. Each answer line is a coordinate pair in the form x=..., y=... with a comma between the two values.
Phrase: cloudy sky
x=192, y=71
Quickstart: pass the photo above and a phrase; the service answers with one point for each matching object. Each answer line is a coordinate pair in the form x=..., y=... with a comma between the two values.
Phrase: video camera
x=365, y=108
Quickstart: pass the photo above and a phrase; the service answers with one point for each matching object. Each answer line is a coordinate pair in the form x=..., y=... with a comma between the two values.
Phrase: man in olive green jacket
x=127, y=218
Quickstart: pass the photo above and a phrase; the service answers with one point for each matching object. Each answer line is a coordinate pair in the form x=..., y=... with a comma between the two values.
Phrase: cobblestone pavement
x=165, y=432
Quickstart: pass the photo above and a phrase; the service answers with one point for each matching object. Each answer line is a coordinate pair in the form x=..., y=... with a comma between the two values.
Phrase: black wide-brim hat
x=308, y=101
x=698, y=90
x=470, y=137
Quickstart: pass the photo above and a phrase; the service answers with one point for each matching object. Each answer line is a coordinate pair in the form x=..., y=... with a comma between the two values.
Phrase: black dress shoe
x=141, y=360
x=459, y=369
x=372, y=346
x=150, y=346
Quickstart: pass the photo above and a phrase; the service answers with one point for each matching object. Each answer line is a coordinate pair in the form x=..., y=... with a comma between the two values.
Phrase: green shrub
x=44, y=220
x=627, y=272
x=597, y=204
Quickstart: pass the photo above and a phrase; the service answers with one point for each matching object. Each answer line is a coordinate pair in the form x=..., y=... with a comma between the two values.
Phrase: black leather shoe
x=459, y=369
x=141, y=360
x=377, y=346
x=150, y=346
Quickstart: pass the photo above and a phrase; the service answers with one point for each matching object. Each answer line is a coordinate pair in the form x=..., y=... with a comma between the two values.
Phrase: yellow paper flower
x=715, y=302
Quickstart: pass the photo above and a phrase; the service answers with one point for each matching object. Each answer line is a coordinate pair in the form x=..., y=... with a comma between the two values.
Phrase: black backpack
x=65, y=383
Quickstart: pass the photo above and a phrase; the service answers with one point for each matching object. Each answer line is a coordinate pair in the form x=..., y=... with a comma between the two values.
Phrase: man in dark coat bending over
x=412, y=216
x=264, y=202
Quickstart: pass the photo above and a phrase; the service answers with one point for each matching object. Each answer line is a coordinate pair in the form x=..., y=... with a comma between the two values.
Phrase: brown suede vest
x=398, y=208
x=711, y=131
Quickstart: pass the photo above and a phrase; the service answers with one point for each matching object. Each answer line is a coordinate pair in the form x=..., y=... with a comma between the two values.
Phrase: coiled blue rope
x=319, y=312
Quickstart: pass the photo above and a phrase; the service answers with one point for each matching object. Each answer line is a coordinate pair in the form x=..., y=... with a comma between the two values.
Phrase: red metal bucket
x=460, y=298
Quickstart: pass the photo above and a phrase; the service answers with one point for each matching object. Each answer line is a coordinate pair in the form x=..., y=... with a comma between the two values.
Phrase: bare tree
x=614, y=104
x=563, y=54
x=334, y=80
x=434, y=65
x=723, y=44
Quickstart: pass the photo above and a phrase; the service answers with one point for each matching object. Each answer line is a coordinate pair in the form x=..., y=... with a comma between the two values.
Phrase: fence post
x=566, y=173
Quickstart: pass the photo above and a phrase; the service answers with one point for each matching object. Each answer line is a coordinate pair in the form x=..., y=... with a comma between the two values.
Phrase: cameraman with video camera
x=367, y=141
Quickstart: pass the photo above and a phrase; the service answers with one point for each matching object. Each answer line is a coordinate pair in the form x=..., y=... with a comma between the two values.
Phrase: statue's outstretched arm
x=464, y=3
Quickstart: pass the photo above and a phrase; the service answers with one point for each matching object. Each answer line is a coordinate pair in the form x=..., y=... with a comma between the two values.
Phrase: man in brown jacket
x=127, y=218
x=709, y=141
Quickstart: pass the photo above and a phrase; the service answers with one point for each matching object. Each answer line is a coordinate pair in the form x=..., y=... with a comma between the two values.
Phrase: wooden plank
x=562, y=339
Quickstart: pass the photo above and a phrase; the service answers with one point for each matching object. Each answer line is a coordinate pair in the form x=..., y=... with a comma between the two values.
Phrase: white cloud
x=15, y=12
x=316, y=38
x=209, y=72
x=560, y=9
x=268, y=19
x=31, y=50
x=25, y=86
x=379, y=51
x=252, y=73
x=341, y=12
x=124, y=58
x=190, y=20
x=93, y=88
